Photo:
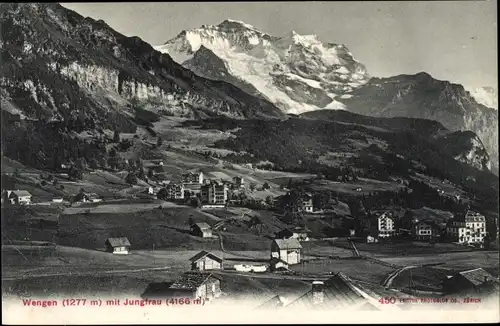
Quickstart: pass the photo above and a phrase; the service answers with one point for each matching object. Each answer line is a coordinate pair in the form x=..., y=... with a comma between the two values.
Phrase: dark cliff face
x=463, y=146
x=58, y=64
x=421, y=96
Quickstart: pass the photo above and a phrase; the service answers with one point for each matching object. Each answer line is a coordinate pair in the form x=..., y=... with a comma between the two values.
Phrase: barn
x=469, y=281
x=288, y=250
x=19, y=197
x=119, y=246
x=201, y=230
x=205, y=260
x=196, y=285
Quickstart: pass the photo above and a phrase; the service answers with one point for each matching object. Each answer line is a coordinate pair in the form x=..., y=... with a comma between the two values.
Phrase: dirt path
x=388, y=281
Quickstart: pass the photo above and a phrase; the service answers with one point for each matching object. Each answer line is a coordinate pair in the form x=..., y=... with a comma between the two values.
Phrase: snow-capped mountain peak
x=296, y=72
x=303, y=39
x=235, y=24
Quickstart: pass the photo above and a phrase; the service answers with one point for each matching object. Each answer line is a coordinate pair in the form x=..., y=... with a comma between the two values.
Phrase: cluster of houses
x=212, y=193
x=468, y=229
x=24, y=197
x=203, y=282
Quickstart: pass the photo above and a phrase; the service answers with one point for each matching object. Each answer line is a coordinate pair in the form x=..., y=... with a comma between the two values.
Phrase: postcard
x=249, y=162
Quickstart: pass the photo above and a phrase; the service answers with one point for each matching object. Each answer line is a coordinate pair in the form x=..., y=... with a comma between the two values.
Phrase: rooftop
x=21, y=193
x=477, y=276
x=471, y=216
x=190, y=280
x=428, y=222
x=288, y=243
x=118, y=242
x=203, y=254
x=338, y=292
x=202, y=225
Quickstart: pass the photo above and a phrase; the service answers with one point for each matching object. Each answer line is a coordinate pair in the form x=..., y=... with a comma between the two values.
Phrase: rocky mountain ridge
x=58, y=64
x=422, y=96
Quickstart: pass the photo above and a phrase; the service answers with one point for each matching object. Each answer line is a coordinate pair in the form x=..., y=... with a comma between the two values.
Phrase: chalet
x=119, y=246
x=469, y=281
x=381, y=226
x=201, y=230
x=456, y=230
x=153, y=190
x=306, y=205
x=476, y=223
x=196, y=285
x=238, y=182
x=425, y=230
x=467, y=229
x=192, y=177
x=205, y=260
x=175, y=191
x=336, y=293
x=19, y=197
x=277, y=264
x=301, y=234
x=288, y=250
x=83, y=197
x=214, y=194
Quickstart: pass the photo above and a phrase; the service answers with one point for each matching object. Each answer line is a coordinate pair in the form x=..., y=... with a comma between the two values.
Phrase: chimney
x=317, y=292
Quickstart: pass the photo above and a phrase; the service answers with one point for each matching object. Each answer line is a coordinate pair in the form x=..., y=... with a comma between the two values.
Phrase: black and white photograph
x=249, y=162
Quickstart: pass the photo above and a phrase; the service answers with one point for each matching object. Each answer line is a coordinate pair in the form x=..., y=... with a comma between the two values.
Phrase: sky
x=451, y=40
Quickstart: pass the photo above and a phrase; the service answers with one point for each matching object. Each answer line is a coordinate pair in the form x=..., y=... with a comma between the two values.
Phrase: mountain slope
x=421, y=96
x=296, y=72
x=58, y=64
x=487, y=96
x=463, y=146
x=330, y=142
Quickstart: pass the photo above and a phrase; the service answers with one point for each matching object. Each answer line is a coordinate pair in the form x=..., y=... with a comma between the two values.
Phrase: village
x=287, y=256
